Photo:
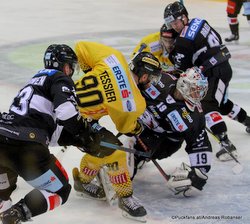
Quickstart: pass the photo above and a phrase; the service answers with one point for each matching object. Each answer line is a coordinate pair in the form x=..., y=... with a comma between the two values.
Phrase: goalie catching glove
x=187, y=180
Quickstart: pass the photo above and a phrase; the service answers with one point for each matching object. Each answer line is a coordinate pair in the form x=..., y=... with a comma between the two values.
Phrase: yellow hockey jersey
x=154, y=46
x=108, y=88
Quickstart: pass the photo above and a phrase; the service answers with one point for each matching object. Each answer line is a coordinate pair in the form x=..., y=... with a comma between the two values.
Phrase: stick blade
x=237, y=169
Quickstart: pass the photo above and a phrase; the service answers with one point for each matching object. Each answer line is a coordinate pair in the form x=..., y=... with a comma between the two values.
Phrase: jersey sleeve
x=182, y=55
x=151, y=43
x=65, y=105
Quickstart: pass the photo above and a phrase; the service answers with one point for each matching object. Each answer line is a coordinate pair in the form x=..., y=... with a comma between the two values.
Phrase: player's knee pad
x=41, y=201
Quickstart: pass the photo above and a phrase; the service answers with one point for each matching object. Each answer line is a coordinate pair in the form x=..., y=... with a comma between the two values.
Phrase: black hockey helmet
x=146, y=62
x=173, y=11
x=57, y=55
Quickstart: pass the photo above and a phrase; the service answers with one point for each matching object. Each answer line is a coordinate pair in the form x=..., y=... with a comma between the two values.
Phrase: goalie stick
x=103, y=178
x=237, y=169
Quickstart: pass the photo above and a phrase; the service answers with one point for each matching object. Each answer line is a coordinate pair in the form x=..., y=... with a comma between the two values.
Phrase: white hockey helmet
x=193, y=85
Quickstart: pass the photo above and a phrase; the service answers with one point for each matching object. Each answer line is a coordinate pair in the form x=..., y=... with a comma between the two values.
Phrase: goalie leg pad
x=187, y=181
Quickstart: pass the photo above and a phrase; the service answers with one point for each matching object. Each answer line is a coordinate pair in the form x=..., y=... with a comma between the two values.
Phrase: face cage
x=196, y=93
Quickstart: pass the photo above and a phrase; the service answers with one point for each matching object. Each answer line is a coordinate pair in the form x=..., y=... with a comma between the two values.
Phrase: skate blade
x=83, y=195
x=139, y=219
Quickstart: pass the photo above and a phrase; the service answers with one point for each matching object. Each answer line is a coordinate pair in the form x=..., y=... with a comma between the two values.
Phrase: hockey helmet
x=174, y=11
x=57, y=55
x=193, y=85
x=146, y=62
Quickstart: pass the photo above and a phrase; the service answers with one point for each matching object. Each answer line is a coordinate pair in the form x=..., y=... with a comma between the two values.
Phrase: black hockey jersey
x=167, y=115
x=198, y=44
x=47, y=100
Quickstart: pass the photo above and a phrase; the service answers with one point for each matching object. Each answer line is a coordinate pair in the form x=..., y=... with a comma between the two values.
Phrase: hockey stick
x=166, y=176
x=142, y=47
x=163, y=173
x=238, y=168
x=125, y=149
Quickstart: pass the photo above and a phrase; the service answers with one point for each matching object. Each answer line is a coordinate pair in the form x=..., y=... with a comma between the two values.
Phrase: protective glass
x=75, y=68
x=171, y=21
x=154, y=79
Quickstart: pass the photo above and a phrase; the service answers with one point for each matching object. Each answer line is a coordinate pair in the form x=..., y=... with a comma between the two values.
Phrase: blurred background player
x=108, y=88
x=160, y=44
x=173, y=112
x=233, y=10
x=200, y=45
x=48, y=100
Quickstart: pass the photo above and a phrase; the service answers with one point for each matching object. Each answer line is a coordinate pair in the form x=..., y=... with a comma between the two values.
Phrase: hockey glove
x=187, y=181
x=99, y=134
x=81, y=139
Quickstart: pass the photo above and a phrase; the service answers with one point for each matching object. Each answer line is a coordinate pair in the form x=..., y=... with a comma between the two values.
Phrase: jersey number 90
x=88, y=98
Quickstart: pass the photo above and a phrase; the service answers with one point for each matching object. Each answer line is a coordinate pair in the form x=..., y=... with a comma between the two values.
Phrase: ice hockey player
x=233, y=10
x=200, y=45
x=173, y=116
x=160, y=44
x=47, y=101
x=108, y=88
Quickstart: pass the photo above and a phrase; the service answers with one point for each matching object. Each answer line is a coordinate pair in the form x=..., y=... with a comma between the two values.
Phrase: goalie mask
x=57, y=55
x=146, y=63
x=193, y=86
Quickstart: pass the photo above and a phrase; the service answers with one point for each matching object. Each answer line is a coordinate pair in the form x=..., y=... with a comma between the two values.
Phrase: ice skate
x=17, y=214
x=132, y=208
x=232, y=37
x=226, y=146
x=246, y=122
x=89, y=190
